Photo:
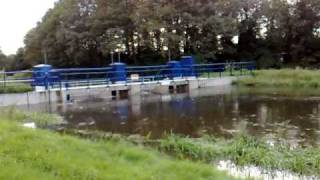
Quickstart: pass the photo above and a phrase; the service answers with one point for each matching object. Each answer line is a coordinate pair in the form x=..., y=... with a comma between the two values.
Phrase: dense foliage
x=87, y=32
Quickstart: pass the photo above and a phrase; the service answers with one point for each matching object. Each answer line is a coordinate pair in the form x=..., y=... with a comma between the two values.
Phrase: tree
x=3, y=59
x=84, y=33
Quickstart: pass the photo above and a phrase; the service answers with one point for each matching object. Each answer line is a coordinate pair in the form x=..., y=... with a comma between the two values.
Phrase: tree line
x=87, y=33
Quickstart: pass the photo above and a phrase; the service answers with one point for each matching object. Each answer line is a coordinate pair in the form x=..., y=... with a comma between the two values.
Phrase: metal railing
x=15, y=81
x=224, y=69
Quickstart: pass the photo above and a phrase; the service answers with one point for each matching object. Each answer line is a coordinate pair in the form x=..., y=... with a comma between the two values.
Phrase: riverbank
x=297, y=78
x=40, y=154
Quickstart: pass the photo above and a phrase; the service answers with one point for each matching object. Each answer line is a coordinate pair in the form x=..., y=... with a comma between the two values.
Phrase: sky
x=17, y=17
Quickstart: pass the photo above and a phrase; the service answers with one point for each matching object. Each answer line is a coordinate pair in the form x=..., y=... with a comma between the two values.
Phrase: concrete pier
x=112, y=91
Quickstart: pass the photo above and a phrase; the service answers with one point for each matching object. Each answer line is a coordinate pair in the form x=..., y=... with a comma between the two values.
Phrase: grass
x=244, y=150
x=39, y=154
x=297, y=78
x=15, y=88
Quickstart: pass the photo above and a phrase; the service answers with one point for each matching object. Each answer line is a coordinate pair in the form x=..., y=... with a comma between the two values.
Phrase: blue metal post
x=118, y=72
x=251, y=67
x=174, y=69
x=187, y=65
x=41, y=75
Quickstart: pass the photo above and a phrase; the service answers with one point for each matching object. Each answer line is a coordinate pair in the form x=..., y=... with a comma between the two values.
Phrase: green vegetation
x=39, y=154
x=205, y=29
x=14, y=88
x=297, y=78
x=245, y=150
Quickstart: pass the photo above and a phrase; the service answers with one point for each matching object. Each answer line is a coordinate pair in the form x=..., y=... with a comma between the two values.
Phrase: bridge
x=119, y=80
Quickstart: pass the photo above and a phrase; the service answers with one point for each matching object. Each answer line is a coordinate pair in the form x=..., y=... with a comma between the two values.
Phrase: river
x=277, y=114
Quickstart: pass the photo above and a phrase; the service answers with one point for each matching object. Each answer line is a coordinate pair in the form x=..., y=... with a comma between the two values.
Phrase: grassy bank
x=244, y=150
x=283, y=78
x=39, y=154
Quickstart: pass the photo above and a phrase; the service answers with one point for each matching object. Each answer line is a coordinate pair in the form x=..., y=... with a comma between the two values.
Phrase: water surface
x=278, y=114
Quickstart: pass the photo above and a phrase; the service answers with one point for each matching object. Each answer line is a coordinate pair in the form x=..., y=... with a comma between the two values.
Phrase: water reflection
x=255, y=172
x=219, y=111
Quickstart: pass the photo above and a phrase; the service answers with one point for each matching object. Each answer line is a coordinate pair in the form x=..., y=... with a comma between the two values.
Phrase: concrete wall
x=215, y=82
x=107, y=92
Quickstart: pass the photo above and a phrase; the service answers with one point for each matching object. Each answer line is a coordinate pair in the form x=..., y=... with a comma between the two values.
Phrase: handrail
x=83, y=69
x=142, y=67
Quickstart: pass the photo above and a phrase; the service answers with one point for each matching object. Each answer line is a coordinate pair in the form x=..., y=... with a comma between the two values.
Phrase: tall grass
x=283, y=78
x=39, y=154
x=40, y=119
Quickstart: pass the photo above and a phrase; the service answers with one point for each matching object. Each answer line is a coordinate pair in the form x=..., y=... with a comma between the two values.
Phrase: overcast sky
x=17, y=17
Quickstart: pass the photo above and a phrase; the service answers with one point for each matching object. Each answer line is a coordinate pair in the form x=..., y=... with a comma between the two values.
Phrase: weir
x=119, y=80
